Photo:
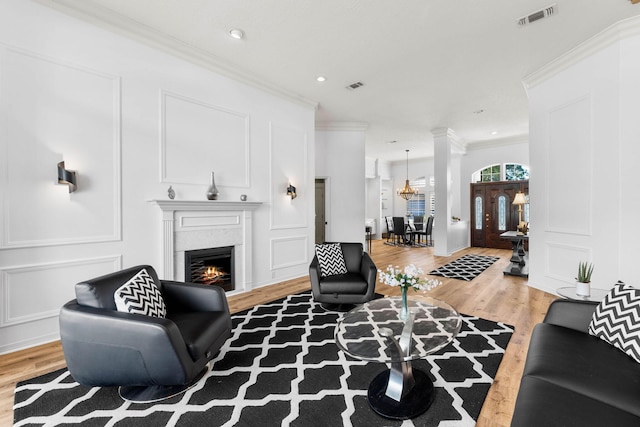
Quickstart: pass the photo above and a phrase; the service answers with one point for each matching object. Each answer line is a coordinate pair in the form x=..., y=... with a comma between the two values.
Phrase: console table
x=518, y=266
x=375, y=332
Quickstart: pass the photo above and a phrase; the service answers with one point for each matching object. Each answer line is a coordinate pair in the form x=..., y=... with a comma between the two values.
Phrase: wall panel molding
x=52, y=110
x=570, y=167
x=197, y=138
x=289, y=251
x=288, y=159
x=54, y=282
x=561, y=260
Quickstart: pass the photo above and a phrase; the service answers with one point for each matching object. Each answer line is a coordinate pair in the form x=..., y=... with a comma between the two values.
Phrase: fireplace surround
x=190, y=225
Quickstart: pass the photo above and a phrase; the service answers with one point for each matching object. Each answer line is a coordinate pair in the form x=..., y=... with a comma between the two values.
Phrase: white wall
x=132, y=121
x=584, y=136
x=340, y=160
x=372, y=207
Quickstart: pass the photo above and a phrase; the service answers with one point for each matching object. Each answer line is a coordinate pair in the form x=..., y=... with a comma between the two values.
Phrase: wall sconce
x=67, y=177
x=291, y=191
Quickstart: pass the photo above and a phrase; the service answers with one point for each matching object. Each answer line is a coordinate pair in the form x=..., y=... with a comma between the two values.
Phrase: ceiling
x=424, y=64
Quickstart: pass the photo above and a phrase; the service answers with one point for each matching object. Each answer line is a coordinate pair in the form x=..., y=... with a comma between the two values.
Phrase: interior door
x=493, y=212
x=320, y=209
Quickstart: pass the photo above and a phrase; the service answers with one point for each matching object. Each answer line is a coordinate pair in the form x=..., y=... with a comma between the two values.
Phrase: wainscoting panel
x=289, y=251
x=570, y=167
x=562, y=261
x=288, y=151
x=198, y=138
x=37, y=291
x=52, y=111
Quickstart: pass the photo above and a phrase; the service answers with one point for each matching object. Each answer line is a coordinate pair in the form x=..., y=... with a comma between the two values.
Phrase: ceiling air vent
x=539, y=14
x=355, y=85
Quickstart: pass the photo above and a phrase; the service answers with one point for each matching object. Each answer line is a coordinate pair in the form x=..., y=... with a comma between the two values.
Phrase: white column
x=443, y=139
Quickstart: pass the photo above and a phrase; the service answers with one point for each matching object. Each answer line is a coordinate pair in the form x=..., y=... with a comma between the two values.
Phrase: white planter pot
x=583, y=289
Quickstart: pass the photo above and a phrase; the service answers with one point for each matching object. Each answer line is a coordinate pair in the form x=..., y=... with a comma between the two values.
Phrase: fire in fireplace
x=212, y=266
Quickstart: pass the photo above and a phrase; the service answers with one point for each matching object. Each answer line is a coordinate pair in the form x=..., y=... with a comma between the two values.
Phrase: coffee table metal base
x=414, y=403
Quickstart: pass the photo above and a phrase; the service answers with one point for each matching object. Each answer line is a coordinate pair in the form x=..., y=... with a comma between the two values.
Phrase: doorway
x=321, y=221
x=493, y=212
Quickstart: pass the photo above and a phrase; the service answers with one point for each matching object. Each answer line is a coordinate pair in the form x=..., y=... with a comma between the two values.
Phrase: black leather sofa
x=574, y=379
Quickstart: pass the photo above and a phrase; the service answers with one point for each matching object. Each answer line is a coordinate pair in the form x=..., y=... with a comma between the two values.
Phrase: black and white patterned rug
x=466, y=267
x=281, y=367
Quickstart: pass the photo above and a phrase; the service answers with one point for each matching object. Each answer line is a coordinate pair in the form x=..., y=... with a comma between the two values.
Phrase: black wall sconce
x=67, y=177
x=291, y=191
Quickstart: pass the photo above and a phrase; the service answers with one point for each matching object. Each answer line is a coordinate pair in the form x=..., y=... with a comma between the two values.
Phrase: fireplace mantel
x=197, y=224
x=205, y=205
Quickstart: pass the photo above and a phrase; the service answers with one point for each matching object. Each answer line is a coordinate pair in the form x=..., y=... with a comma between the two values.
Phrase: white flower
x=406, y=278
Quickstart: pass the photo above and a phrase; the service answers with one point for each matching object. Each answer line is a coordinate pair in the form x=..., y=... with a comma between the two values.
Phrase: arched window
x=501, y=172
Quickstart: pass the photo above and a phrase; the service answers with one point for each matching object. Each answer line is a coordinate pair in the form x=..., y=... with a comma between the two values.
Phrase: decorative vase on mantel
x=212, y=192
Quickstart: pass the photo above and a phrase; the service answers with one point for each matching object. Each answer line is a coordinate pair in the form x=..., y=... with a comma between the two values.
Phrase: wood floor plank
x=491, y=295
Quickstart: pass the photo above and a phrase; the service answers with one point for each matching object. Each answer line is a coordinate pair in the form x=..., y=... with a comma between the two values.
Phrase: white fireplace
x=193, y=224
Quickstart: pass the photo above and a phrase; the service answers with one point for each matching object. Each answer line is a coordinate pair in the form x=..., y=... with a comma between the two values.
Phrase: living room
x=134, y=120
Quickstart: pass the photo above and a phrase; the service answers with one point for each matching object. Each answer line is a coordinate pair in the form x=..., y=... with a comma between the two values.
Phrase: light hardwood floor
x=491, y=296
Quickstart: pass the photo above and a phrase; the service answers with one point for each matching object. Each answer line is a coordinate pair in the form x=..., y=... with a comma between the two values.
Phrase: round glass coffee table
x=375, y=332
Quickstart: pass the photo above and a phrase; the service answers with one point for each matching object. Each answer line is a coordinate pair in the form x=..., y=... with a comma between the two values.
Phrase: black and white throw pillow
x=140, y=295
x=617, y=319
x=331, y=259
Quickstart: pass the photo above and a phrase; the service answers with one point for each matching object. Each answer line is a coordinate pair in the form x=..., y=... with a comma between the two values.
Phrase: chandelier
x=407, y=192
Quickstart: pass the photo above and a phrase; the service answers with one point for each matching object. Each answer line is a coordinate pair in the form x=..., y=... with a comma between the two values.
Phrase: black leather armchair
x=150, y=358
x=342, y=291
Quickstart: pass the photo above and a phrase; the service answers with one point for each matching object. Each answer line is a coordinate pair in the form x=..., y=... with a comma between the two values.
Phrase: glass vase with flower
x=406, y=278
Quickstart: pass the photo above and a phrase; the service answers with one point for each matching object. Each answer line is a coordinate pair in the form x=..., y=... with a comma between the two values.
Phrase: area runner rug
x=281, y=367
x=466, y=267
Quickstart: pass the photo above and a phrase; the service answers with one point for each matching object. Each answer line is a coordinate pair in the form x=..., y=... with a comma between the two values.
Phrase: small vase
x=583, y=289
x=404, y=311
x=212, y=192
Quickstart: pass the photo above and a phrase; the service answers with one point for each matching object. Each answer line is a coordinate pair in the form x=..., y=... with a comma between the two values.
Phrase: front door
x=493, y=212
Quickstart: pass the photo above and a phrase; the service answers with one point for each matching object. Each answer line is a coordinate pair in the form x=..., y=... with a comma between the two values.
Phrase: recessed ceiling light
x=321, y=79
x=236, y=33
x=494, y=133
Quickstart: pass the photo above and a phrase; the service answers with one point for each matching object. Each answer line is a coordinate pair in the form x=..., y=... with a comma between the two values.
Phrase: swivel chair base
x=342, y=308
x=155, y=393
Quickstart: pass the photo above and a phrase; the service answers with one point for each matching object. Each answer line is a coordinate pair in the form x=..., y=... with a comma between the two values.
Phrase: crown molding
x=619, y=31
x=457, y=146
x=112, y=21
x=498, y=143
x=342, y=126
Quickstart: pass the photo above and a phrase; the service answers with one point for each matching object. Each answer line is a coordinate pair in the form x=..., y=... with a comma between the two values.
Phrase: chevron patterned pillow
x=331, y=259
x=617, y=319
x=140, y=295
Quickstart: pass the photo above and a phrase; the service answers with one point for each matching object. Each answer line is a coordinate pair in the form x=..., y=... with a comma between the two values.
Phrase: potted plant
x=583, y=281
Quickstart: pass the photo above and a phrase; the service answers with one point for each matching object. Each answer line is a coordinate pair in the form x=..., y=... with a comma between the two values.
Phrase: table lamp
x=520, y=200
